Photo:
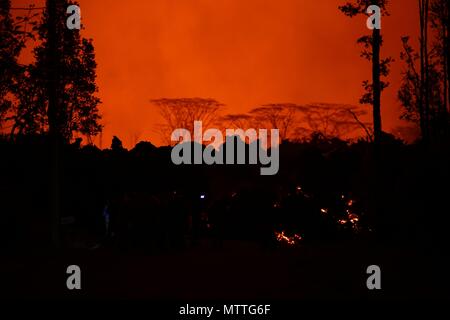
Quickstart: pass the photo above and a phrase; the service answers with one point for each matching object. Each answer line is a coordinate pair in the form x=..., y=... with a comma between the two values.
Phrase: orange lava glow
x=282, y=237
x=241, y=53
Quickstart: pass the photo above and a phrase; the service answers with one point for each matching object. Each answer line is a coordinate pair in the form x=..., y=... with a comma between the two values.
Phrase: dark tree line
x=322, y=185
x=294, y=122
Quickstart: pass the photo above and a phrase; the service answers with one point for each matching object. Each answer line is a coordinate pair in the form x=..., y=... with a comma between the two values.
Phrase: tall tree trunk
x=447, y=46
x=377, y=133
x=422, y=103
x=52, y=55
x=443, y=116
x=53, y=101
x=376, y=86
x=427, y=109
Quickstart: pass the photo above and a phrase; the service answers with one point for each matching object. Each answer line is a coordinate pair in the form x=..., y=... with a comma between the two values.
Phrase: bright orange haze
x=240, y=52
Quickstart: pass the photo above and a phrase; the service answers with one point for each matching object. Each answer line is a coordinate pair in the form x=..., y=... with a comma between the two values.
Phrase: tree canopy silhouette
x=299, y=122
x=279, y=116
x=335, y=120
x=58, y=90
x=182, y=112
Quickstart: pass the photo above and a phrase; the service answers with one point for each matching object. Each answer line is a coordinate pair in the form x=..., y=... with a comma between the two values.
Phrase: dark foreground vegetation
x=327, y=191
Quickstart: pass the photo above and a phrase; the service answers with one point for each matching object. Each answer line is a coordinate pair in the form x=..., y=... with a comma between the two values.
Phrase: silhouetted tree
x=424, y=89
x=297, y=122
x=371, y=51
x=237, y=121
x=182, y=112
x=58, y=95
x=440, y=23
x=281, y=116
x=334, y=120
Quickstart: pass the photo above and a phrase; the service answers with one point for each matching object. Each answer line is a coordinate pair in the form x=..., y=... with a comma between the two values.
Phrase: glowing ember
x=342, y=221
x=324, y=211
x=282, y=237
x=353, y=217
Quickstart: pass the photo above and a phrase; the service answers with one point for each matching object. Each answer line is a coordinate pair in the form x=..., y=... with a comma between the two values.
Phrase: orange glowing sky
x=241, y=52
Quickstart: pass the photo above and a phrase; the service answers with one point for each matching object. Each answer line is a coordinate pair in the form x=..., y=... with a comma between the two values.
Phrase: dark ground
x=240, y=271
